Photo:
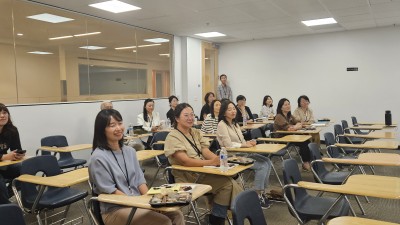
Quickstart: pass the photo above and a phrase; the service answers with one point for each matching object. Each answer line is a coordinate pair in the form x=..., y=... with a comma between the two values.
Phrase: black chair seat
x=68, y=163
x=307, y=210
x=57, y=197
x=335, y=178
x=280, y=153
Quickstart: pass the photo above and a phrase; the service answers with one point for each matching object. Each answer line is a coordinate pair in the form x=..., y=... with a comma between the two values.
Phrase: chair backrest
x=318, y=167
x=57, y=141
x=159, y=136
x=46, y=164
x=168, y=176
x=329, y=139
x=339, y=133
x=255, y=133
x=247, y=206
x=255, y=115
x=333, y=151
x=214, y=146
x=291, y=175
x=11, y=214
x=345, y=127
x=354, y=121
x=94, y=207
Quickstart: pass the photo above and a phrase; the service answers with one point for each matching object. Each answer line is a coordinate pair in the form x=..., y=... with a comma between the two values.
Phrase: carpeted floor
x=278, y=214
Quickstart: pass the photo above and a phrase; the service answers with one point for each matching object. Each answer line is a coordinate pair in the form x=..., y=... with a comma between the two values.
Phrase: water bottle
x=388, y=118
x=130, y=130
x=168, y=123
x=223, y=160
x=244, y=120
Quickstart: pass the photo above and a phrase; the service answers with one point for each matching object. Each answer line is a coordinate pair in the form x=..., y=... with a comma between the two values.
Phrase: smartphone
x=20, y=151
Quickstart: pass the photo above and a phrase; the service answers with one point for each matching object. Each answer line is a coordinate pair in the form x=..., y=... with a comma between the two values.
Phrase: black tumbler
x=388, y=118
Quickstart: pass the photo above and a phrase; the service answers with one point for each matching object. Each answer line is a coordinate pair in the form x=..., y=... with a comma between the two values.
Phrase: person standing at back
x=224, y=90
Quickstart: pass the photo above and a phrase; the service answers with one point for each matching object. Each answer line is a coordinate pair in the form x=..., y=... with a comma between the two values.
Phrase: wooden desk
x=288, y=139
x=216, y=171
x=62, y=180
x=260, y=148
x=209, y=135
x=362, y=185
x=374, y=135
x=9, y=162
x=369, y=127
x=70, y=148
x=261, y=122
x=377, y=123
x=348, y=220
x=128, y=138
x=251, y=126
x=369, y=159
x=314, y=133
x=148, y=154
x=142, y=201
x=379, y=144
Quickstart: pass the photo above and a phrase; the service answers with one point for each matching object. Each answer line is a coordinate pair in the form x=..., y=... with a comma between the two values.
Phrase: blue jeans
x=262, y=169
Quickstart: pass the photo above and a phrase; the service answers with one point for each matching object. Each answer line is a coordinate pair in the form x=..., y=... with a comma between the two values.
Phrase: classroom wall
x=74, y=120
x=315, y=65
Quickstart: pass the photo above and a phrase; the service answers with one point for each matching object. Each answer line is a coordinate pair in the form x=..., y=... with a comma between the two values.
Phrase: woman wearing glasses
x=303, y=113
x=186, y=146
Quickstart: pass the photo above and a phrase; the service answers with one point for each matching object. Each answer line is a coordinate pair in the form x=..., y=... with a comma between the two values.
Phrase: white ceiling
x=246, y=19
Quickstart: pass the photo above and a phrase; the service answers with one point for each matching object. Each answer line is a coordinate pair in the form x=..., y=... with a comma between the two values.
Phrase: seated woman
x=242, y=109
x=267, y=109
x=206, y=109
x=114, y=169
x=149, y=119
x=210, y=123
x=186, y=146
x=303, y=113
x=9, y=140
x=173, y=102
x=230, y=135
x=284, y=120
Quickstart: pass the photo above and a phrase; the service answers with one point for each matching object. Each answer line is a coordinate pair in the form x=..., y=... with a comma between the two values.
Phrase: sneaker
x=264, y=202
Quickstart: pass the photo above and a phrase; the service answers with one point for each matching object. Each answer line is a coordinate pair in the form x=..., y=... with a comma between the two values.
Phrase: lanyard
x=237, y=134
x=126, y=170
x=191, y=143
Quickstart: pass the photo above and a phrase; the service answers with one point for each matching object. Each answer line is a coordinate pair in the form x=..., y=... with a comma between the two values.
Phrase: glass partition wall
x=52, y=55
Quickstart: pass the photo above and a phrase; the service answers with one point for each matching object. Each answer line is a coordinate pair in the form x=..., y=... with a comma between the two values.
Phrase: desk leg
x=276, y=173
x=155, y=176
x=196, y=216
x=325, y=216
x=130, y=217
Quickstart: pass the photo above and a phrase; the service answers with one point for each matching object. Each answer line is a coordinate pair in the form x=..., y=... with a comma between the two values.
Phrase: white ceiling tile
x=344, y=4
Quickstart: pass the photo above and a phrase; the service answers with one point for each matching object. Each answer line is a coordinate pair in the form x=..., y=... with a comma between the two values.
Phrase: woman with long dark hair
x=149, y=119
x=206, y=109
x=284, y=120
x=114, y=169
x=9, y=140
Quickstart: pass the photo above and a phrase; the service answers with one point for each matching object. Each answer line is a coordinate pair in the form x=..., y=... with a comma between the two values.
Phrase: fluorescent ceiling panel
x=40, y=53
x=87, y=34
x=211, y=34
x=318, y=22
x=91, y=47
x=115, y=6
x=140, y=46
x=61, y=37
x=50, y=18
x=165, y=54
x=157, y=40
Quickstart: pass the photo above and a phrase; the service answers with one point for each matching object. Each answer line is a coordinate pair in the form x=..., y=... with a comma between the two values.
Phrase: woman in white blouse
x=267, y=110
x=149, y=119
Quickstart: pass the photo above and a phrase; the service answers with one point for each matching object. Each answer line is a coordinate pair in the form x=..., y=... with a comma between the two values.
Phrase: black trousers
x=9, y=173
x=304, y=151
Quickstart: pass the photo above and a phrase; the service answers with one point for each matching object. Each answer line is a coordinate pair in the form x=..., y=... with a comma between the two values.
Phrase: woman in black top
x=205, y=110
x=173, y=102
x=242, y=110
x=9, y=139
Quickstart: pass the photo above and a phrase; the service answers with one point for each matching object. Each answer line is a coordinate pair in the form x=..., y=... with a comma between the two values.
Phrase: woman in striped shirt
x=211, y=121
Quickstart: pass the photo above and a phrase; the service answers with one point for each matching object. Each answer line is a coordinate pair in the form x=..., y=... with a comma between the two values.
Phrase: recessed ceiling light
x=87, y=34
x=157, y=40
x=211, y=34
x=91, y=47
x=40, y=53
x=20, y=34
x=115, y=6
x=61, y=37
x=165, y=54
x=140, y=46
x=319, y=22
x=46, y=17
